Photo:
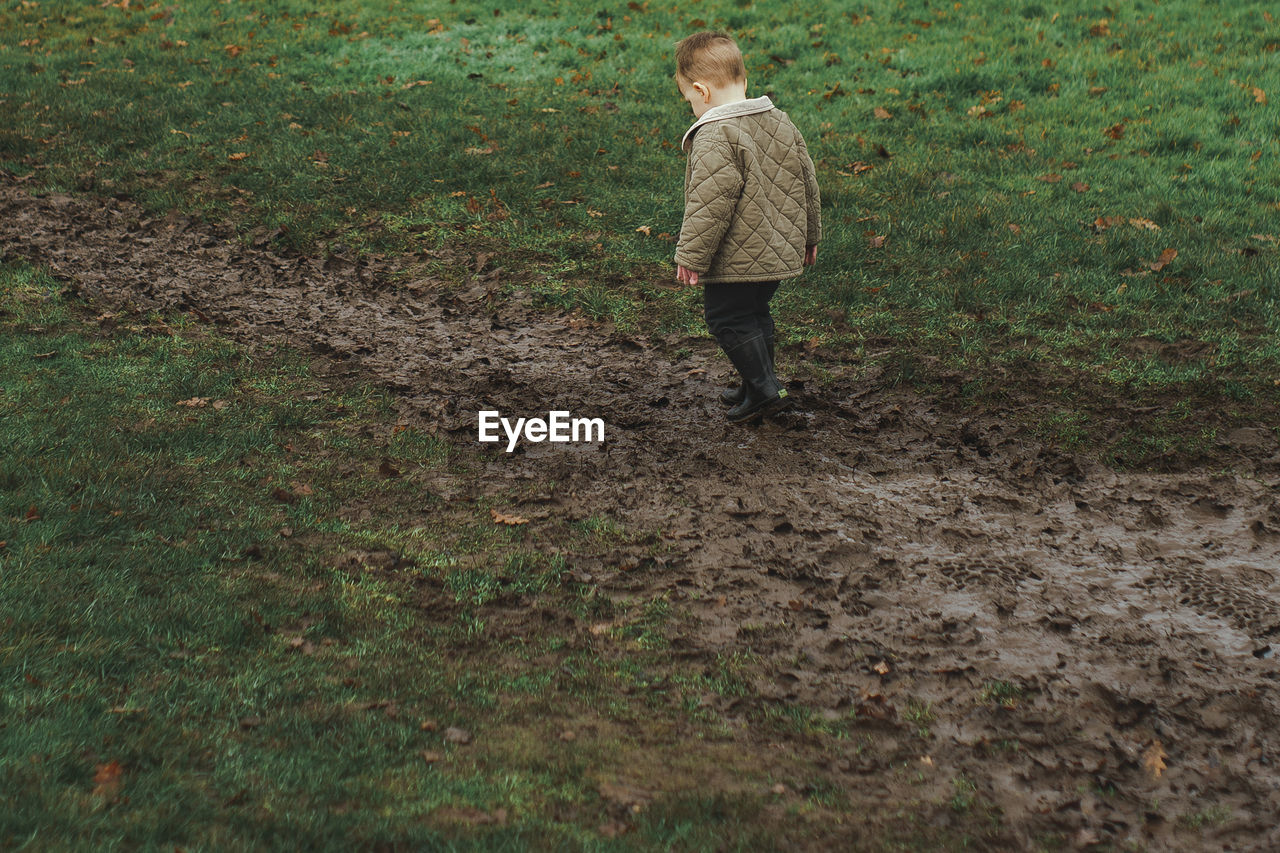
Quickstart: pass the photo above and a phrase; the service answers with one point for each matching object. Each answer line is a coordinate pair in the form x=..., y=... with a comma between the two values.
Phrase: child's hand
x=810, y=255
x=687, y=276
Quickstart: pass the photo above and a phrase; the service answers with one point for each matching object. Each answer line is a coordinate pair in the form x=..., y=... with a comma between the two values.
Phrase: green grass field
x=1051, y=184
x=210, y=647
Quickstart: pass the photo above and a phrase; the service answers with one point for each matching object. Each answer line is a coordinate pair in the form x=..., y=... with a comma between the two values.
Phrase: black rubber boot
x=734, y=396
x=763, y=394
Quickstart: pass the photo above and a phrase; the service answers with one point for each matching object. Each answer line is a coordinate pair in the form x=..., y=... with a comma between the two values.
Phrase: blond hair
x=709, y=57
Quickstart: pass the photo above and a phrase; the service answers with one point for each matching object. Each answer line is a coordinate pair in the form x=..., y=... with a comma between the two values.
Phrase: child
x=751, y=213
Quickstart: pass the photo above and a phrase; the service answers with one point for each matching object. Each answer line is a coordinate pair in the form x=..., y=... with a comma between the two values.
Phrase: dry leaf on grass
x=503, y=518
x=1163, y=261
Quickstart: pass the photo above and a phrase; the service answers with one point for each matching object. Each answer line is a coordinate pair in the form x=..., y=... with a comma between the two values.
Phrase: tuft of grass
x=1003, y=693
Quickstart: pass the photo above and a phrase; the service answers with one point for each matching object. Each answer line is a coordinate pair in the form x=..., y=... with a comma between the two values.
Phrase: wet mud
x=1091, y=650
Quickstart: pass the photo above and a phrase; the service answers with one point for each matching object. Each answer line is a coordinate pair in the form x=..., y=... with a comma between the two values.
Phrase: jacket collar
x=737, y=108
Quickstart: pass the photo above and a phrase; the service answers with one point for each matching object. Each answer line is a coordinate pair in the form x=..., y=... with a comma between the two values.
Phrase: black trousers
x=735, y=311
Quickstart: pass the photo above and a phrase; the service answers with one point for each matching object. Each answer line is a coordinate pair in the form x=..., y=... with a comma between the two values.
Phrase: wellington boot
x=763, y=394
x=734, y=396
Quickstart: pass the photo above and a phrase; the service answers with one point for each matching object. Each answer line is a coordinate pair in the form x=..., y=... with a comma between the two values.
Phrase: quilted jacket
x=751, y=198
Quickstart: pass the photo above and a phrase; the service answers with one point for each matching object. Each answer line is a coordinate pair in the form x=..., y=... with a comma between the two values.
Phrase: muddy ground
x=884, y=551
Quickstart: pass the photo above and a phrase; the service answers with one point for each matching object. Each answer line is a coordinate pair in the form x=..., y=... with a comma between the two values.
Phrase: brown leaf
x=502, y=518
x=194, y=403
x=107, y=779
x=1080, y=186
x=876, y=241
x=386, y=469
x=1139, y=222
x=1015, y=228
x=882, y=113
x=645, y=230
x=882, y=667
x=32, y=514
x=239, y=155
x=1163, y=261
x=1051, y=178
x=284, y=495
x=1116, y=131
x=431, y=756
x=1153, y=759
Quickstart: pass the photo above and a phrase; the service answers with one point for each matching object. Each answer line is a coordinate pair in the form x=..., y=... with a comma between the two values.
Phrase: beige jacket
x=751, y=203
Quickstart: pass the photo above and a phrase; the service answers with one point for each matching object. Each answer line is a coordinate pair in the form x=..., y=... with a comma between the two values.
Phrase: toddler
x=751, y=213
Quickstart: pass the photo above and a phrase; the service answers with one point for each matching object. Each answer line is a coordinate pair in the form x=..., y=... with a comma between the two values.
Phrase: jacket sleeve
x=812, y=198
x=712, y=187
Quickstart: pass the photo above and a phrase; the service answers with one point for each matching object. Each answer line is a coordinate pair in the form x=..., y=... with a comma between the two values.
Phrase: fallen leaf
x=1139, y=222
x=239, y=155
x=1015, y=228
x=876, y=241
x=284, y=495
x=645, y=230
x=1080, y=186
x=386, y=469
x=502, y=518
x=194, y=402
x=454, y=734
x=882, y=113
x=1153, y=759
x=107, y=779
x=1163, y=261
x=431, y=756
x=1116, y=131
x=480, y=152
x=32, y=514
x=1051, y=178
x=882, y=667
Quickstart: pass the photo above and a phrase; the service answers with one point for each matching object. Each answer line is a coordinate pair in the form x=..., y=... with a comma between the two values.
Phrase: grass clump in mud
x=245, y=607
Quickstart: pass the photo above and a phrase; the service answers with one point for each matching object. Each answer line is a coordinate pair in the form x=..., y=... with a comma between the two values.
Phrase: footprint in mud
x=962, y=574
x=1211, y=593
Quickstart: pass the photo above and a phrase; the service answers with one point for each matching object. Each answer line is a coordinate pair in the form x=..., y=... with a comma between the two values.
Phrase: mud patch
x=984, y=608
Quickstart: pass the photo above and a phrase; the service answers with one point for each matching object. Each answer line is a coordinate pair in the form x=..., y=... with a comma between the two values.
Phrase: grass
x=1027, y=178
x=228, y=625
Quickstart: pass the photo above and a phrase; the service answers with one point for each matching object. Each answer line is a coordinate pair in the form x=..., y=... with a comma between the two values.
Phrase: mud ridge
x=998, y=611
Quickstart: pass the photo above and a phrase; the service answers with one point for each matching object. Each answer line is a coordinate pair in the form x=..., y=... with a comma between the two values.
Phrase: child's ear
x=703, y=91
